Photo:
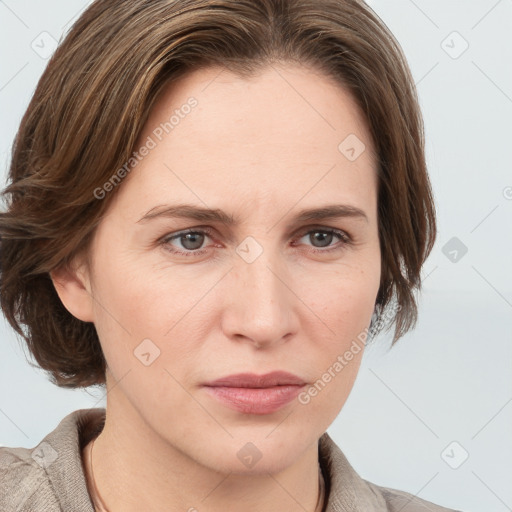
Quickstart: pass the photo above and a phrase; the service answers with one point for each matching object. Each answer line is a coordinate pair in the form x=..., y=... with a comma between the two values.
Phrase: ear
x=72, y=284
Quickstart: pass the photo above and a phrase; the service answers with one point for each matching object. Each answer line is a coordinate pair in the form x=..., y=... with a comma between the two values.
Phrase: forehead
x=281, y=105
x=276, y=136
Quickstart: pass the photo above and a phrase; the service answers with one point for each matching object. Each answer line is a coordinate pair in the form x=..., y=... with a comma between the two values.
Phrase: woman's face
x=268, y=291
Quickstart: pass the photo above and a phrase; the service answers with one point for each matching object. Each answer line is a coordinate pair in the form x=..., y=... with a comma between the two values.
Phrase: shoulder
x=402, y=501
x=349, y=491
x=24, y=484
x=50, y=475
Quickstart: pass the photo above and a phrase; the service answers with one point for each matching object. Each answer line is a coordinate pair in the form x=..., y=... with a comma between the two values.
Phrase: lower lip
x=255, y=400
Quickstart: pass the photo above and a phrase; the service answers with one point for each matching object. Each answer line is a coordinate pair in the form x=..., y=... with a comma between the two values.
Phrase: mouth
x=256, y=394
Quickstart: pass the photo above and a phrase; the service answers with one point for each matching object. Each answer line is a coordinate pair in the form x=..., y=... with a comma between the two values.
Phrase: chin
x=255, y=451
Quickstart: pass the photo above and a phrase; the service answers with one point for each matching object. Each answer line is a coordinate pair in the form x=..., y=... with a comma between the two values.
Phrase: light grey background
x=450, y=379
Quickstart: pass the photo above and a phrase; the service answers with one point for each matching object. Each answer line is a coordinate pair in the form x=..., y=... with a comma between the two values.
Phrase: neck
x=136, y=469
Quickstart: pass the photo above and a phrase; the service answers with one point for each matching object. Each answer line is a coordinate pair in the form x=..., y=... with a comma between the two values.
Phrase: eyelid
x=178, y=234
x=345, y=239
x=302, y=231
x=307, y=229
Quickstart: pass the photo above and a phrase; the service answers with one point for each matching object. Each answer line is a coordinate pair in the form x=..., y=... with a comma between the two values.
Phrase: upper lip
x=251, y=380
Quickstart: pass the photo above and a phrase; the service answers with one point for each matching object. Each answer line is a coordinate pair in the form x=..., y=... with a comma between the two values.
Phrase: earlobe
x=73, y=288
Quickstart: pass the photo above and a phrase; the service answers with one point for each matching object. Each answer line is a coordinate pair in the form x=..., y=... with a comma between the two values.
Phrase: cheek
x=344, y=299
x=322, y=401
x=124, y=308
x=345, y=309
x=142, y=316
x=348, y=315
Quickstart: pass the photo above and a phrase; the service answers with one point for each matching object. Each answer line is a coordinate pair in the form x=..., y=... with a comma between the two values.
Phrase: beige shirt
x=50, y=477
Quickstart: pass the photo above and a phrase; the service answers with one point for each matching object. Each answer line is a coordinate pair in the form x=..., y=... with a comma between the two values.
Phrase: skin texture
x=261, y=149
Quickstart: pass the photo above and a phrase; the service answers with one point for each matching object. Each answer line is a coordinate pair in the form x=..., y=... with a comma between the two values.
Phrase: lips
x=251, y=380
x=249, y=393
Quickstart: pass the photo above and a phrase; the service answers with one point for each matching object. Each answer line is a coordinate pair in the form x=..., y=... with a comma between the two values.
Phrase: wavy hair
x=92, y=102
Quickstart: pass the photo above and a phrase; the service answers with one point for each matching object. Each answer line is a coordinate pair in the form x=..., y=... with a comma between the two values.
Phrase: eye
x=324, y=238
x=191, y=240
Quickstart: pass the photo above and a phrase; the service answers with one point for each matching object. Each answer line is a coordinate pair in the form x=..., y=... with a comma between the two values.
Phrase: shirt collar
x=345, y=490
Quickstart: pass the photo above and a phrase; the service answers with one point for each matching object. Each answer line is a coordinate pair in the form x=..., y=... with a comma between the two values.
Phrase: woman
x=212, y=205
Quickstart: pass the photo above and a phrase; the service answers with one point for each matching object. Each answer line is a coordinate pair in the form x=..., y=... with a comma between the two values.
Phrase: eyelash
x=344, y=237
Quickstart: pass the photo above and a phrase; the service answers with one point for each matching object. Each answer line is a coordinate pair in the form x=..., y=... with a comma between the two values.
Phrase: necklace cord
x=98, y=502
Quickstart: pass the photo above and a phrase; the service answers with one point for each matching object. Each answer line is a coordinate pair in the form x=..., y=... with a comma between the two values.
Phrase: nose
x=261, y=306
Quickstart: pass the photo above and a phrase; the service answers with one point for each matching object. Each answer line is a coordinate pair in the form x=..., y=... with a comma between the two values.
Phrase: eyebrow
x=189, y=211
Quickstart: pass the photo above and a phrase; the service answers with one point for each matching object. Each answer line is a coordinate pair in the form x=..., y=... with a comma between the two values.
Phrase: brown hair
x=95, y=95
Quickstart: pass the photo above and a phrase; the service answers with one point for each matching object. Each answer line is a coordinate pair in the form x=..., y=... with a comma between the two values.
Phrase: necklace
x=321, y=491
x=100, y=505
x=96, y=498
